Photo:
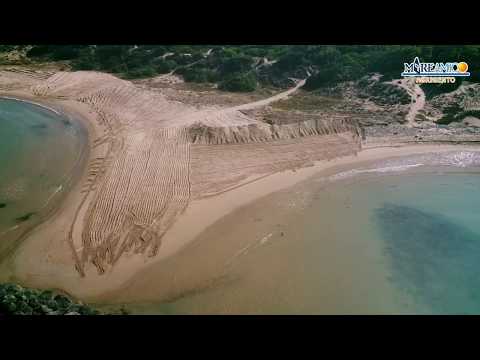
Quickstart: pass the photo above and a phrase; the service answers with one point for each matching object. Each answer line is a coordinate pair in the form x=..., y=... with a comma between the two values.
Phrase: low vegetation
x=17, y=300
x=455, y=114
x=308, y=101
x=239, y=82
x=243, y=68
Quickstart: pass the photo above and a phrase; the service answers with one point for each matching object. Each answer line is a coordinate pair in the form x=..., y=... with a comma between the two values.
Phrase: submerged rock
x=25, y=217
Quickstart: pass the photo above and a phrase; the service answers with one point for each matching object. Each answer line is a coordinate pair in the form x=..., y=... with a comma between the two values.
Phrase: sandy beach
x=158, y=174
x=155, y=280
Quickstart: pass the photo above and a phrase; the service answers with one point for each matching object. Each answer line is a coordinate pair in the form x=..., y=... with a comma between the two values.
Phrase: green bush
x=56, y=52
x=84, y=64
x=67, y=52
x=432, y=90
x=17, y=300
x=164, y=66
x=446, y=119
x=326, y=76
x=236, y=64
x=7, y=48
x=198, y=75
x=39, y=51
x=143, y=72
x=455, y=114
x=239, y=83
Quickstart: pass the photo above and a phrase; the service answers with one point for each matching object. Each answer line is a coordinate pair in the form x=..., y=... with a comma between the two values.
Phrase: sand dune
x=150, y=157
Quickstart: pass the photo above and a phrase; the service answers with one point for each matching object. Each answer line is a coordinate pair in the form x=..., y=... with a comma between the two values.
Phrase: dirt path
x=418, y=98
x=230, y=116
x=267, y=101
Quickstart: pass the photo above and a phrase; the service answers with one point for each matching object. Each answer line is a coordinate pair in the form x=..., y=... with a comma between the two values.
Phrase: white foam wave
x=57, y=190
x=32, y=102
x=461, y=159
x=353, y=172
x=456, y=158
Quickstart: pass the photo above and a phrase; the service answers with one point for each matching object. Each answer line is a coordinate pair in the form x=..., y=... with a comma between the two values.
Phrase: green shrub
x=164, y=66
x=239, y=83
x=235, y=64
x=326, y=76
x=143, y=72
x=199, y=75
x=16, y=300
x=453, y=115
x=432, y=90
x=39, y=51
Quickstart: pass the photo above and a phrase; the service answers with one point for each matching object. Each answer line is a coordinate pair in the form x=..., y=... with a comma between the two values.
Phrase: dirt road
x=418, y=98
x=264, y=102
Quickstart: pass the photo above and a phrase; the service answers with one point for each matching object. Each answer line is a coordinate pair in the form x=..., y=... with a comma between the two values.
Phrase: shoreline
x=56, y=200
x=73, y=182
x=44, y=258
x=188, y=226
x=32, y=102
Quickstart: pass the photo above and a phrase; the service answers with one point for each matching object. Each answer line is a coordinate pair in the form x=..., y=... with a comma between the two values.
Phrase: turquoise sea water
x=431, y=240
x=39, y=151
x=396, y=237
x=419, y=232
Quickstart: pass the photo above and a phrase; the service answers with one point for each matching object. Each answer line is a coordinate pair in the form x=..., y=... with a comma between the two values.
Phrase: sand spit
x=149, y=159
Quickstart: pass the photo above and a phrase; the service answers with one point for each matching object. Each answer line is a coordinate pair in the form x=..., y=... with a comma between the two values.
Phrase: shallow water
x=39, y=152
x=397, y=237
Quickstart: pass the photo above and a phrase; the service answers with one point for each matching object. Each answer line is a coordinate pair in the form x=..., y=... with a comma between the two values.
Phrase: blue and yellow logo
x=417, y=69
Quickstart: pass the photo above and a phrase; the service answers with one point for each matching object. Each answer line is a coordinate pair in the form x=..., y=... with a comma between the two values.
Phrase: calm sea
x=396, y=237
x=39, y=152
